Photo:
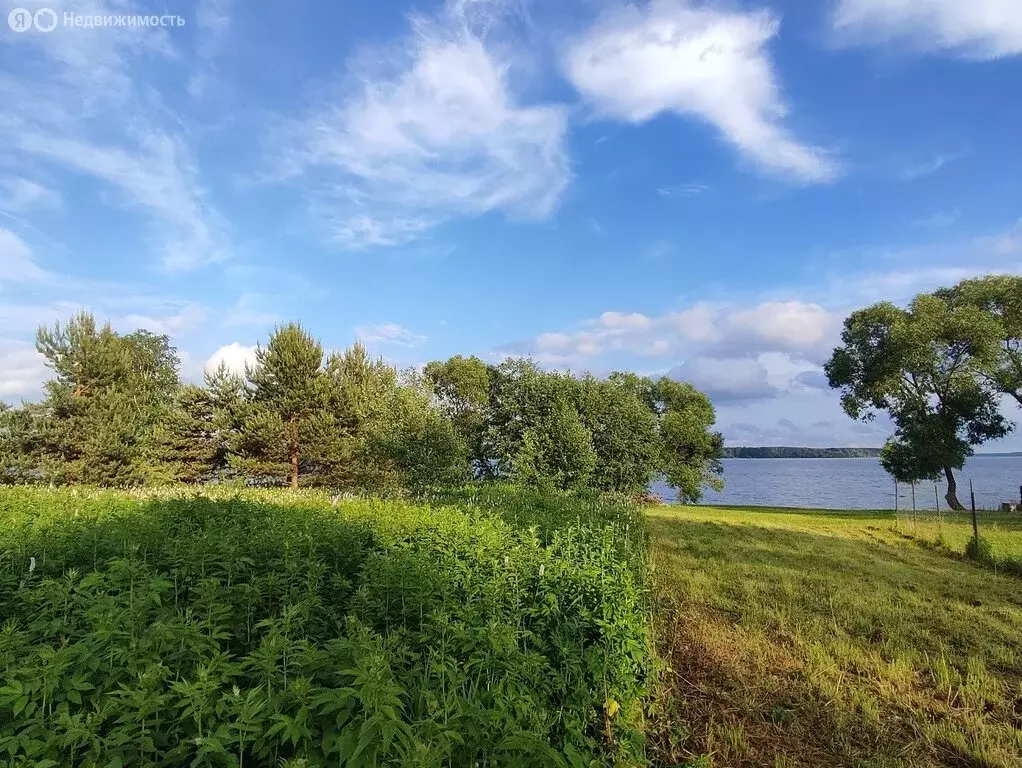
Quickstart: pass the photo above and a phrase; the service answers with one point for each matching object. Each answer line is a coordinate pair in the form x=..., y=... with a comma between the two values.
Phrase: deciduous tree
x=919, y=366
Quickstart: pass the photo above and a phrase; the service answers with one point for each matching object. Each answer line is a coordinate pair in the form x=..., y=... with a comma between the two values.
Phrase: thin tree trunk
x=294, y=452
x=952, y=491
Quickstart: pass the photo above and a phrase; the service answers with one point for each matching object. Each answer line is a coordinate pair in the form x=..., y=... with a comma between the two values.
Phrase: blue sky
x=699, y=188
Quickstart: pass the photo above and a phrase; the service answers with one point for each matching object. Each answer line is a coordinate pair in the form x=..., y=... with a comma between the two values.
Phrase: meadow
x=807, y=638
x=497, y=626
x=275, y=629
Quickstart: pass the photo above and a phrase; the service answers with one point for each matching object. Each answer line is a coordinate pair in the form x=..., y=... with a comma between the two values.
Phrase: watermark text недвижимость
x=47, y=20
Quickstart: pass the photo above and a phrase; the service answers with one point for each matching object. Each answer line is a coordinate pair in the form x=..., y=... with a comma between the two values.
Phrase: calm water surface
x=855, y=484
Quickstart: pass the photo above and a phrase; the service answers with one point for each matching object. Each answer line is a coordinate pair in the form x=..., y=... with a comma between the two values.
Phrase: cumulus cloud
x=636, y=63
x=388, y=333
x=234, y=356
x=723, y=331
x=22, y=370
x=438, y=133
x=727, y=380
x=791, y=326
x=978, y=29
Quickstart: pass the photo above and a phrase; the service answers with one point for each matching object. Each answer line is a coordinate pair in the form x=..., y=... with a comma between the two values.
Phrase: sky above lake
x=700, y=189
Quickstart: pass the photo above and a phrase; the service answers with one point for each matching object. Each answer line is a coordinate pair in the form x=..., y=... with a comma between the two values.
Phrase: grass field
x=802, y=638
x=492, y=626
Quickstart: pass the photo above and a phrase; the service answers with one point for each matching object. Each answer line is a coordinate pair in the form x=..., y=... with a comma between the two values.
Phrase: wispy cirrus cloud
x=389, y=333
x=691, y=189
x=436, y=132
x=636, y=63
x=940, y=219
x=975, y=29
x=20, y=195
x=82, y=112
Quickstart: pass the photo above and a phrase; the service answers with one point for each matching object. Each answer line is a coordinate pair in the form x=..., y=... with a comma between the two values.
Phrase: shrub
x=980, y=550
x=165, y=630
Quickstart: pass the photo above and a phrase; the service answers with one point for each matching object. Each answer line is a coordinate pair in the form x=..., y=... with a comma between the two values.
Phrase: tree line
x=796, y=452
x=115, y=413
x=940, y=368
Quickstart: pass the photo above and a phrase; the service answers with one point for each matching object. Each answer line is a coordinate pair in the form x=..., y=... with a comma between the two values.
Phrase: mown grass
x=807, y=638
x=169, y=628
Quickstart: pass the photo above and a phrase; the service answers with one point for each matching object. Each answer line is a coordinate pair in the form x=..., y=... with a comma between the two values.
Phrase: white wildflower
x=31, y=564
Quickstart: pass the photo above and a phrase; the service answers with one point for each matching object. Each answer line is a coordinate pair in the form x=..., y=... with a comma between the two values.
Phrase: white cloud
x=940, y=219
x=979, y=29
x=682, y=190
x=791, y=325
x=727, y=379
x=83, y=111
x=635, y=64
x=388, y=333
x=234, y=356
x=157, y=175
x=439, y=133
x=629, y=322
x=698, y=323
x=213, y=24
x=922, y=169
x=187, y=318
x=247, y=311
x=722, y=331
x=16, y=264
x=20, y=195
x=22, y=370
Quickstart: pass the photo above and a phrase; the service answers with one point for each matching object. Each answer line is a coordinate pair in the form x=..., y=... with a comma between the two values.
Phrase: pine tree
x=287, y=405
x=203, y=428
x=107, y=404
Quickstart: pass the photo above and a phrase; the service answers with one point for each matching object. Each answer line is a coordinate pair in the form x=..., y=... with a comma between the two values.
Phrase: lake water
x=855, y=484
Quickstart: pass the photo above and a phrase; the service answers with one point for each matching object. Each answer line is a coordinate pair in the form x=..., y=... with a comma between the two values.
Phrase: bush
x=980, y=550
x=165, y=630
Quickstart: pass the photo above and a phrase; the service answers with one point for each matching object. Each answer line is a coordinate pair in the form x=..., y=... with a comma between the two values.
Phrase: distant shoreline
x=794, y=452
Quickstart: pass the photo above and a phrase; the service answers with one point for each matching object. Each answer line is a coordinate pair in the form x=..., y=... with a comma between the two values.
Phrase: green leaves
x=168, y=629
x=931, y=367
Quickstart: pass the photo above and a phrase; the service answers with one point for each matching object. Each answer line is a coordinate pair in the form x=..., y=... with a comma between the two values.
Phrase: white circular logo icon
x=45, y=19
x=20, y=20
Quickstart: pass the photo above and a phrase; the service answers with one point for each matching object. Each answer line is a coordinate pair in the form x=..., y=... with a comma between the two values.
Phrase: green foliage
x=116, y=414
x=918, y=365
x=107, y=404
x=795, y=452
x=902, y=460
x=287, y=394
x=273, y=629
x=534, y=432
x=999, y=298
x=624, y=433
x=980, y=550
x=690, y=449
x=462, y=387
x=416, y=446
x=551, y=429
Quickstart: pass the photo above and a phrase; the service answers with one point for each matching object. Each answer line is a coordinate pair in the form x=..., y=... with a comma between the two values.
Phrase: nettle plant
x=484, y=629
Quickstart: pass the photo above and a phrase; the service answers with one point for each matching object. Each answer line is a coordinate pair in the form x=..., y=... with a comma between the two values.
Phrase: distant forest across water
x=790, y=452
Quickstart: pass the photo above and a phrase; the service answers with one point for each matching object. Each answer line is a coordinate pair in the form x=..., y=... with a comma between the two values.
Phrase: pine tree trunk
x=294, y=452
x=952, y=490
